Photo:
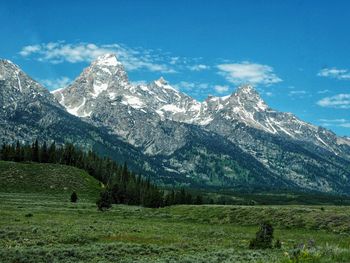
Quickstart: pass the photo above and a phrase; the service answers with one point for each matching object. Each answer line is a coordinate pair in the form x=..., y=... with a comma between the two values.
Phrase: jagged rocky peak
x=15, y=80
x=105, y=68
x=105, y=77
x=19, y=91
x=246, y=89
x=8, y=63
x=108, y=64
x=247, y=92
x=248, y=96
x=108, y=59
x=165, y=86
x=161, y=82
x=8, y=69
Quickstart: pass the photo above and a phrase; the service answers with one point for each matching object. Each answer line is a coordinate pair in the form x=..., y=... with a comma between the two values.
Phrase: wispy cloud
x=53, y=84
x=323, y=91
x=133, y=59
x=298, y=94
x=28, y=50
x=191, y=86
x=340, y=101
x=333, y=120
x=335, y=123
x=198, y=67
x=221, y=89
x=335, y=73
x=247, y=72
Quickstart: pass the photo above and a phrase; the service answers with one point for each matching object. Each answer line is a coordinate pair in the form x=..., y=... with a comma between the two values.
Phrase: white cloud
x=174, y=60
x=340, y=101
x=198, y=67
x=133, y=59
x=221, y=89
x=27, y=50
x=297, y=92
x=184, y=85
x=251, y=73
x=333, y=120
x=191, y=86
x=335, y=123
x=323, y=91
x=335, y=73
x=58, y=83
x=345, y=125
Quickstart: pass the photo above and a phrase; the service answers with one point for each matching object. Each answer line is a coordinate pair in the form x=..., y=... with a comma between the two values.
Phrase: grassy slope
x=52, y=179
x=64, y=232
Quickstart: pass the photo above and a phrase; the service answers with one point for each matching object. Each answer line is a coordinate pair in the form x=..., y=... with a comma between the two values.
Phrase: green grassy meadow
x=38, y=223
x=40, y=228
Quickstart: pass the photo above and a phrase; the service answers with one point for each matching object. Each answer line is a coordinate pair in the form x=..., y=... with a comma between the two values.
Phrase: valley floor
x=43, y=228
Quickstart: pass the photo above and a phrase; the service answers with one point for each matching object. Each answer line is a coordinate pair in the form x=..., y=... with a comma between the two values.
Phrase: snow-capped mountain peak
x=247, y=97
x=246, y=89
x=161, y=81
x=105, y=76
x=108, y=59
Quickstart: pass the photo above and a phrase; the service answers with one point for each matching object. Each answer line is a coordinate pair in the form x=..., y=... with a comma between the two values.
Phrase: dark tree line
x=121, y=185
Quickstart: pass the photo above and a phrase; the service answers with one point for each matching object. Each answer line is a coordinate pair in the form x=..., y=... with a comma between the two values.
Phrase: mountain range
x=234, y=142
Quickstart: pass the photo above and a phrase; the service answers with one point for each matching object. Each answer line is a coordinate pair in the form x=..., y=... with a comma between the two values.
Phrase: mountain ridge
x=245, y=104
x=229, y=142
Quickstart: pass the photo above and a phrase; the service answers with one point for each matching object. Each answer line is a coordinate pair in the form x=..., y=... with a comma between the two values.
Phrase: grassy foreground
x=43, y=228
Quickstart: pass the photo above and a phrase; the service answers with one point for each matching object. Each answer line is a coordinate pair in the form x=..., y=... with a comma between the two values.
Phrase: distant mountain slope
x=55, y=179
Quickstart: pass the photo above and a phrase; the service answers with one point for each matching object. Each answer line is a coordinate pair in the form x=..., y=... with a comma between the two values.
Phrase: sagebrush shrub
x=263, y=238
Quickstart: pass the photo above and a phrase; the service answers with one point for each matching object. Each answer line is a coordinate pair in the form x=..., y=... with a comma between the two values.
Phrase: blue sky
x=296, y=53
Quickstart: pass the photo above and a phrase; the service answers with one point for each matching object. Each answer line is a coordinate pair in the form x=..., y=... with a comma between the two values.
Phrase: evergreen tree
x=52, y=153
x=198, y=200
x=44, y=155
x=74, y=197
x=5, y=152
x=125, y=174
x=105, y=201
x=18, y=154
x=35, y=151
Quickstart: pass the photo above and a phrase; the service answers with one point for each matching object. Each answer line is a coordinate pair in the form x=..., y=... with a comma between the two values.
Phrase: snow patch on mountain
x=77, y=111
x=133, y=101
x=98, y=88
x=172, y=108
x=107, y=60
